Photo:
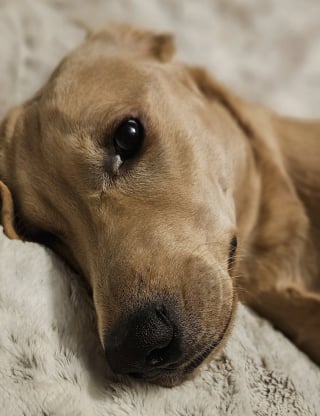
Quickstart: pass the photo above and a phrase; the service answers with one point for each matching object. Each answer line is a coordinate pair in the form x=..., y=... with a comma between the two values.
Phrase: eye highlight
x=128, y=138
x=232, y=251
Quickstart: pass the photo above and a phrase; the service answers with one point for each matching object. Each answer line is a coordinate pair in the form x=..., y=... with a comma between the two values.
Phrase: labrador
x=172, y=196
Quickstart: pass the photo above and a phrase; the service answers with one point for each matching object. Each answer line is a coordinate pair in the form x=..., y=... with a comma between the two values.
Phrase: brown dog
x=145, y=175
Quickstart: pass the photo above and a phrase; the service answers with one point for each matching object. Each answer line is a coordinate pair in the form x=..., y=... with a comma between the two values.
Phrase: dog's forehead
x=106, y=83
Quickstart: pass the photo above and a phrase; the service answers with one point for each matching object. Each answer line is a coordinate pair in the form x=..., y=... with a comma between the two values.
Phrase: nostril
x=159, y=354
x=161, y=347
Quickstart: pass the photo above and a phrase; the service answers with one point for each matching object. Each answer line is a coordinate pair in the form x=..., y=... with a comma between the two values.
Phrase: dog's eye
x=128, y=138
x=232, y=251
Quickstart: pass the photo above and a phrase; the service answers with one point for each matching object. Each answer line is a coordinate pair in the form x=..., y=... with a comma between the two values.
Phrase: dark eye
x=232, y=251
x=128, y=138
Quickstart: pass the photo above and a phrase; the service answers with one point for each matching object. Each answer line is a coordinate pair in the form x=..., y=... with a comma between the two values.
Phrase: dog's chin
x=167, y=380
x=171, y=378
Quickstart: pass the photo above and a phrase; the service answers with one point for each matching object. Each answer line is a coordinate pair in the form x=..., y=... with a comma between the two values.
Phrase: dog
x=172, y=196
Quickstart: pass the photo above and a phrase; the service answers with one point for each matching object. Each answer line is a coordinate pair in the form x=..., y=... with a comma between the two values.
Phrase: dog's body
x=155, y=230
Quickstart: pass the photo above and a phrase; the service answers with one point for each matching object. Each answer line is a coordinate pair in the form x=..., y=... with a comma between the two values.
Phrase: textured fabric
x=51, y=362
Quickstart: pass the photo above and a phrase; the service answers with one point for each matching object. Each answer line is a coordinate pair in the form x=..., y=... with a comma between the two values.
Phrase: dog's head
x=129, y=164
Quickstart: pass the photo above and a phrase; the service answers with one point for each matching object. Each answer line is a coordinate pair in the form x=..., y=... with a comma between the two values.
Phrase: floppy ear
x=288, y=227
x=6, y=202
x=7, y=213
x=157, y=45
x=214, y=90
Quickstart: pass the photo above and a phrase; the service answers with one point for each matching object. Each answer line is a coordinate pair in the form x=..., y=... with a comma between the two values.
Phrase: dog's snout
x=144, y=343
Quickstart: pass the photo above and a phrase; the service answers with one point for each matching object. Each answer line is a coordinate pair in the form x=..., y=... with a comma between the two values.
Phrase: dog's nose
x=145, y=343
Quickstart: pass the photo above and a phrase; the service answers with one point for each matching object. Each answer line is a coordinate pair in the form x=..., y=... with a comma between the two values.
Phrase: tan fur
x=213, y=165
x=7, y=213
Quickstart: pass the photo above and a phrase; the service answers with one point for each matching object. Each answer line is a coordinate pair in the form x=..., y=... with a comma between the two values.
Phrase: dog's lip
x=198, y=360
x=162, y=378
x=156, y=373
x=174, y=371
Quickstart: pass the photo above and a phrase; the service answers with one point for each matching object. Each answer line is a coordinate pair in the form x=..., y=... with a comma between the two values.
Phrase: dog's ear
x=214, y=90
x=157, y=45
x=7, y=215
x=288, y=227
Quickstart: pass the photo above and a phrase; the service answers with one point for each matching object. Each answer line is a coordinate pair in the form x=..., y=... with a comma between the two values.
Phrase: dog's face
x=132, y=172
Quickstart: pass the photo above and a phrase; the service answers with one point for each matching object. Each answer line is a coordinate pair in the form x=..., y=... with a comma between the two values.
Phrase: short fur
x=212, y=166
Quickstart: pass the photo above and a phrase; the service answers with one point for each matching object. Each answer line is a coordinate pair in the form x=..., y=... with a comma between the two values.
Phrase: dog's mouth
x=200, y=358
x=175, y=373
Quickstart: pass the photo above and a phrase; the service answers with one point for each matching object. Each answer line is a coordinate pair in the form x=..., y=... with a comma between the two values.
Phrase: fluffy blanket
x=51, y=362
